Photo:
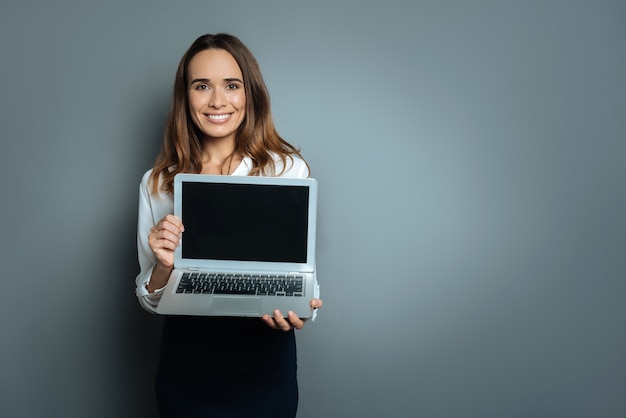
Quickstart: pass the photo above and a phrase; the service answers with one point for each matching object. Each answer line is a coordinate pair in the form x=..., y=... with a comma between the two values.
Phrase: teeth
x=219, y=117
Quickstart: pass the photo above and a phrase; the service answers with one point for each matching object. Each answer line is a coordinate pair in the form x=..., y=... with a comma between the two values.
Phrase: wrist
x=159, y=277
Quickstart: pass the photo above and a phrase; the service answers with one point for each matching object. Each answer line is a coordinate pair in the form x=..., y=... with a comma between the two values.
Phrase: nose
x=217, y=99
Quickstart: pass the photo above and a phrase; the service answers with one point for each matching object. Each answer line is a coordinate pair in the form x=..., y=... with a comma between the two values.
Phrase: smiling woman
x=220, y=123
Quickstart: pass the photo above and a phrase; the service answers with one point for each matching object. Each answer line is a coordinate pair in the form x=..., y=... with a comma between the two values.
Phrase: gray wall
x=470, y=156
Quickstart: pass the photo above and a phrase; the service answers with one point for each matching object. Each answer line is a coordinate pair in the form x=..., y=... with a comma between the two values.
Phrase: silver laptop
x=248, y=247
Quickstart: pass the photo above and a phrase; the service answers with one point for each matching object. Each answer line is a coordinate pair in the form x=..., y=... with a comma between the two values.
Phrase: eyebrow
x=206, y=80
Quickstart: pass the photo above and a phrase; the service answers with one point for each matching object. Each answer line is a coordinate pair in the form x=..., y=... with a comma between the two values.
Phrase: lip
x=218, y=118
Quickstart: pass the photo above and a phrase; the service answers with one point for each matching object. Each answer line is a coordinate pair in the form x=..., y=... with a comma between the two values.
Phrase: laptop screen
x=247, y=222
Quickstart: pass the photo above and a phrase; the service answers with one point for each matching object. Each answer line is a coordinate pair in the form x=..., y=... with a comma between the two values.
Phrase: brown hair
x=256, y=138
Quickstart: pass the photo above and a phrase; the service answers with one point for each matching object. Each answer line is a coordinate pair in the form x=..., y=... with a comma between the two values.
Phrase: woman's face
x=217, y=99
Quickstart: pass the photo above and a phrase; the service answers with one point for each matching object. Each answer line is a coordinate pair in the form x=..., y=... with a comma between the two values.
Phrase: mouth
x=219, y=117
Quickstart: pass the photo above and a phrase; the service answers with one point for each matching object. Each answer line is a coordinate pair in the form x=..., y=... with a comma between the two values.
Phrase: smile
x=219, y=118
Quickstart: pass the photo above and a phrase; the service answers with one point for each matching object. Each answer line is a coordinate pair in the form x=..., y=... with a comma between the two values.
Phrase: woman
x=219, y=123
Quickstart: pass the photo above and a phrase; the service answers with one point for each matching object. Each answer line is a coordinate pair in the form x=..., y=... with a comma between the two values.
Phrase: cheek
x=193, y=113
x=240, y=101
x=194, y=103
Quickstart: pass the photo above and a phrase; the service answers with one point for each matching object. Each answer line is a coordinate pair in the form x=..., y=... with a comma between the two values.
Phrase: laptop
x=248, y=247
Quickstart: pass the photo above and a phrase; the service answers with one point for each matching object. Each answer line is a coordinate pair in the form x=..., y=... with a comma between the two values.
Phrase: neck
x=218, y=149
x=219, y=156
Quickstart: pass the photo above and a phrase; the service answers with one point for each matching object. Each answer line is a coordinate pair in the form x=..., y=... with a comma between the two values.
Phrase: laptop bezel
x=239, y=265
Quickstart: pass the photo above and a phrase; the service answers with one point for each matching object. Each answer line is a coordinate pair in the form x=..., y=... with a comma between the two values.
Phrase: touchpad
x=235, y=305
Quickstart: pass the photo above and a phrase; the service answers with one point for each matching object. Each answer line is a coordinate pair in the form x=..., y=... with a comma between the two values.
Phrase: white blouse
x=153, y=208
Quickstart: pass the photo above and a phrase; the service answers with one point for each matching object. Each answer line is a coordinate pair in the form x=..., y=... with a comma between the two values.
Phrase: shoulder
x=295, y=167
x=153, y=206
x=145, y=179
x=146, y=182
x=146, y=185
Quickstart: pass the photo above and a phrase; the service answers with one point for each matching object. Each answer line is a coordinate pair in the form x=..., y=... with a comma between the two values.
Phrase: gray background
x=470, y=156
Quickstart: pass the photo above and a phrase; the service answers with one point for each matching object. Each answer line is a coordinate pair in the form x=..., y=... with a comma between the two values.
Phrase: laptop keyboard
x=241, y=284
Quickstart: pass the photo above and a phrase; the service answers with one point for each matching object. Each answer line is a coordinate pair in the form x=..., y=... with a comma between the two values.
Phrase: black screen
x=245, y=222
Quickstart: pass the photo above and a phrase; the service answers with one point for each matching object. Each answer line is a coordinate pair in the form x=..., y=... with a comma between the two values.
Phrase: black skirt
x=226, y=367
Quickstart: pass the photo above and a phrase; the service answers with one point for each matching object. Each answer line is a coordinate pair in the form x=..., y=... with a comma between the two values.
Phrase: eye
x=232, y=86
x=201, y=87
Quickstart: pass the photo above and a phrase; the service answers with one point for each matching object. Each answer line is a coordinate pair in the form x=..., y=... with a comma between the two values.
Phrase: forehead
x=213, y=64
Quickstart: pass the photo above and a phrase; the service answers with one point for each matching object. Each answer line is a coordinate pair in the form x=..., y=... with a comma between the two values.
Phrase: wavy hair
x=255, y=138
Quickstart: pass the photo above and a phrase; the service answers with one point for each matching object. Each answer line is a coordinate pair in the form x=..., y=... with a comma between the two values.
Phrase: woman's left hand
x=280, y=322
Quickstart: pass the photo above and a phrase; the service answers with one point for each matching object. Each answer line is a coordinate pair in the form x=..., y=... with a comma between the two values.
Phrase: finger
x=166, y=235
x=280, y=321
x=165, y=225
x=173, y=218
x=165, y=230
x=294, y=320
x=316, y=303
x=175, y=221
x=269, y=321
x=169, y=243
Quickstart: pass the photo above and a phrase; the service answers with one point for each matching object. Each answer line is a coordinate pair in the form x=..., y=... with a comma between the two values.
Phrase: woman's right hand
x=164, y=238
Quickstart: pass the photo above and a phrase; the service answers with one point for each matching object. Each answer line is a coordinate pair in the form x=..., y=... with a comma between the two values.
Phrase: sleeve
x=147, y=261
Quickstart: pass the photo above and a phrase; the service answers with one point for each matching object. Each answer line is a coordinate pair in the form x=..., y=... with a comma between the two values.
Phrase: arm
x=156, y=242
